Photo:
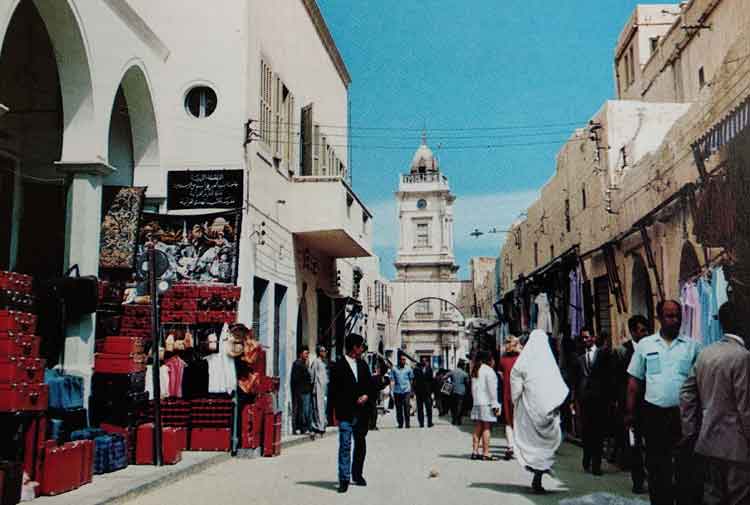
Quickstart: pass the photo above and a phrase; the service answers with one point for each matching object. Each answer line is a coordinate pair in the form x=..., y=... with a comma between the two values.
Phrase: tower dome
x=424, y=160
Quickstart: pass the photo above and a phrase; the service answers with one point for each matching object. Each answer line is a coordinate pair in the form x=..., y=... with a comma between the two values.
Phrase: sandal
x=489, y=458
x=475, y=456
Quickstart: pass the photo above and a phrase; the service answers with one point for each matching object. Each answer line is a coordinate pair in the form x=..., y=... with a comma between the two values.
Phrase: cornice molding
x=325, y=36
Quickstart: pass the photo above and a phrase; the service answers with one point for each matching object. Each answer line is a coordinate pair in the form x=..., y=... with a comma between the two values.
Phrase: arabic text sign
x=204, y=189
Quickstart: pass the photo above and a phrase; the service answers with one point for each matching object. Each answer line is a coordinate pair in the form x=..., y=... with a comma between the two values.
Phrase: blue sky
x=475, y=73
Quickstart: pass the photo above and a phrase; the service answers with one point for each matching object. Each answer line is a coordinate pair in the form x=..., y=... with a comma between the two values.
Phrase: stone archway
x=641, y=294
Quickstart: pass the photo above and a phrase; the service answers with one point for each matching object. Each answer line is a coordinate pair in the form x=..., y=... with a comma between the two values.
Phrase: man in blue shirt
x=402, y=377
x=661, y=363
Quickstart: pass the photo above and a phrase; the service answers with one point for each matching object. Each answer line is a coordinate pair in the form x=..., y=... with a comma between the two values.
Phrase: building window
x=654, y=41
x=201, y=101
x=423, y=235
x=536, y=254
x=277, y=115
x=266, y=103
x=631, y=67
x=701, y=78
x=423, y=308
x=552, y=252
x=567, y=215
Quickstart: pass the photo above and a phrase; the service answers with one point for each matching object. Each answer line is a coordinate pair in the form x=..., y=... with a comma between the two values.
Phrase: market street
x=397, y=470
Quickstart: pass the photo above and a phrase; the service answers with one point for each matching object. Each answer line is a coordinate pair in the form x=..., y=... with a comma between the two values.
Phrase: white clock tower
x=425, y=210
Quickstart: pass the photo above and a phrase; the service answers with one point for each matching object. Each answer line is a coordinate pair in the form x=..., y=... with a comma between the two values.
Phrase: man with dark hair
x=423, y=382
x=461, y=384
x=661, y=363
x=302, y=387
x=352, y=391
x=715, y=407
x=593, y=389
x=402, y=378
x=631, y=439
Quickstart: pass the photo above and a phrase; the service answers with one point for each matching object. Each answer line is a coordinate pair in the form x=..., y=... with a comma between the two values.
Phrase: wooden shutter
x=316, y=150
x=276, y=133
x=306, y=140
x=324, y=156
x=289, y=148
x=266, y=103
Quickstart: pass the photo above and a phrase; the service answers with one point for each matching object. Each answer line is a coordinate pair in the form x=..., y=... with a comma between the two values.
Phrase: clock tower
x=425, y=211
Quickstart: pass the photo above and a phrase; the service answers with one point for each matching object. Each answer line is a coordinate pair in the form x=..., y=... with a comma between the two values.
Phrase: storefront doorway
x=642, y=297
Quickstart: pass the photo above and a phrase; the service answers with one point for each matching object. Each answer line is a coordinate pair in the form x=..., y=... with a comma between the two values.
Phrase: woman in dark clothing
x=512, y=350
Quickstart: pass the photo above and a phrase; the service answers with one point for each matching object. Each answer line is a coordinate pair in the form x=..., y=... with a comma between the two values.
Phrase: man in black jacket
x=353, y=392
x=423, y=381
x=302, y=387
x=594, y=389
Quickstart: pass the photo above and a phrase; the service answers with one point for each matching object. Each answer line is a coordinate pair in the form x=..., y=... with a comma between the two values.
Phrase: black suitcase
x=72, y=420
x=128, y=410
x=117, y=386
x=11, y=480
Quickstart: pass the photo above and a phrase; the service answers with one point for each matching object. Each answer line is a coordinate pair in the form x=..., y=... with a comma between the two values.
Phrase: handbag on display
x=80, y=293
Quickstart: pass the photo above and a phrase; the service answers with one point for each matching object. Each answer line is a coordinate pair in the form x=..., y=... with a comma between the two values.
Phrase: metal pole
x=155, y=344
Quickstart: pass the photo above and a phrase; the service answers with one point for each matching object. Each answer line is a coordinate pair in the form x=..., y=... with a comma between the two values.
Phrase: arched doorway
x=641, y=295
x=432, y=317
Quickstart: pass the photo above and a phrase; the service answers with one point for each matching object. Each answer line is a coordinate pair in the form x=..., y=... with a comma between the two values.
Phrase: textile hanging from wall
x=544, y=315
x=200, y=248
x=577, y=320
x=120, y=229
x=701, y=300
x=716, y=213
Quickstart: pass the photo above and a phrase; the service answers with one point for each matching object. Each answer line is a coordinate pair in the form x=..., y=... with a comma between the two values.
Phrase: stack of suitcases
x=260, y=423
x=210, y=421
x=22, y=387
x=200, y=303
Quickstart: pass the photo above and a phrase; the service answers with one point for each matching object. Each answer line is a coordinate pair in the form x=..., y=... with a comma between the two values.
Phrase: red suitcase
x=182, y=438
x=23, y=397
x=136, y=323
x=61, y=468
x=183, y=304
x=13, y=343
x=119, y=363
x=140, y=311
x=19, y=370
x=272, y=434
x=13, y=281
x=170, y=445
x=122, y=345
x=210, y=439
x=34, y=439
x=11, y=320
x=87, y=460
x=139, y=333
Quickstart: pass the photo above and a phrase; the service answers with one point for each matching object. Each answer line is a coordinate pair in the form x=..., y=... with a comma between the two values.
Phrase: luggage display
x=13, y=369
x=110, y=453
x=23, y=397
x=13, y=281
x=210, y=439
x=122, y=345
x=11, y=481
x=13, y=300
x=125, y=410
x=61, y=468
x=11, y=320
x=13, y=343
x=87, y=461
x=66, y=391
x=117, y=385
x=119, y=363
x=127, y=433
x=86, y=434
x=170, y=441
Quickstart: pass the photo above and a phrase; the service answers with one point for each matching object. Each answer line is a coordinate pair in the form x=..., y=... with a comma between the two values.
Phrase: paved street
x=398, y=466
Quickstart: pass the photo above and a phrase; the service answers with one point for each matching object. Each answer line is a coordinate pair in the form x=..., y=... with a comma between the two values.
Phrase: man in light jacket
x=715, y=410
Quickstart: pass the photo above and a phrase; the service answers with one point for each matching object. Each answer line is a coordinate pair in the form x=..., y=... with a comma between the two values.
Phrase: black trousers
x=402, y=409
x=360, y=449
x=634, y=453
x=594, y=417
x=424, y=401
x=672, y=476
x=457, y=408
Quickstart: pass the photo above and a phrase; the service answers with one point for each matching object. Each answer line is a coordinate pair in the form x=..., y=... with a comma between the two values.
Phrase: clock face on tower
x=422, y=204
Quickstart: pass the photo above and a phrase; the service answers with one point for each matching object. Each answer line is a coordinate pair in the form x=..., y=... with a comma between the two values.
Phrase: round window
x=422, y=204
x=200, y=101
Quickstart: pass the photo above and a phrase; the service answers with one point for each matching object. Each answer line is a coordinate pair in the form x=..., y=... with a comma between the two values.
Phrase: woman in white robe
x=537, y=391
x=319, y=373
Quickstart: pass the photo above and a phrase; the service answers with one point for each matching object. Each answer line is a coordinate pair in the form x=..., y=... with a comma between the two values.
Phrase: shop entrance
x=32, y=213
x=642, y=297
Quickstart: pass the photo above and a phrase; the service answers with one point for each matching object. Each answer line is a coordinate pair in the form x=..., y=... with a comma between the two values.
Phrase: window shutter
x=316, y=150
x=266, y=103
x=277, y=132
x=291, y=133
x=306, y=140
x=324, y=155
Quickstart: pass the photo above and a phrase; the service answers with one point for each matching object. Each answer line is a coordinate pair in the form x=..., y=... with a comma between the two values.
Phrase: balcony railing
x=420, y=178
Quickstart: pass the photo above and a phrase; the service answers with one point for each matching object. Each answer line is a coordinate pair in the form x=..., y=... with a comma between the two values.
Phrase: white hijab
x=543, y=387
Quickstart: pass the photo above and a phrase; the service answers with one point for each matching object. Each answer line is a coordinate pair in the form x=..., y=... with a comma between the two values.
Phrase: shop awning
x=723, y=132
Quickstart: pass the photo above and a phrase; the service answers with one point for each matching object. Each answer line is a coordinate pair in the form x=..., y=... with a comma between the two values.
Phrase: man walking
x=661, y=364
x=301, y=386
x=632, y=439
x=423, y=384
x=402, y=377
x=715, y=407
x=594, y=386
x=460, y=380
x=319, y=376
x=352, y=393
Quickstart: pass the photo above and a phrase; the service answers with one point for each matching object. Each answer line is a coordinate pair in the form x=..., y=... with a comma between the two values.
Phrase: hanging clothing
x=537, y=390
x=705, y=294
x=222, y=373
x=576, y=302
x=691, y=312
x=163, y=381
x=176, y=369
x=195, y=378
x=544, y=314
x=718, y=297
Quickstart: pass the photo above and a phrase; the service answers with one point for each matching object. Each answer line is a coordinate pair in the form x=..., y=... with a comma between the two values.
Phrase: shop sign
x=204, y=189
